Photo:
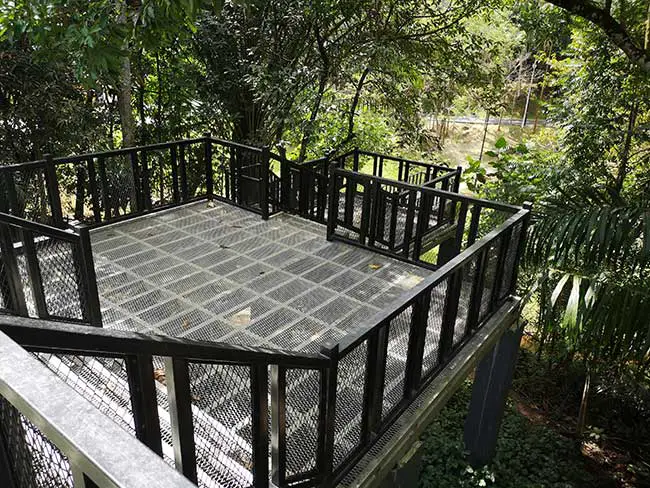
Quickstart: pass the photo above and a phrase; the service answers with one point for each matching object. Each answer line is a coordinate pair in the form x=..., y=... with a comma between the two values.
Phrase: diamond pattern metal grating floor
x=220, y=273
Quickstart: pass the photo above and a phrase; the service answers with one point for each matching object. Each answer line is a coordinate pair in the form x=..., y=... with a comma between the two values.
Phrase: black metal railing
x=406, y=221
x=47, y=272
x=378, y=369
x=205, y=406
x=206, y=402
x=50, y=437
x=108, y=186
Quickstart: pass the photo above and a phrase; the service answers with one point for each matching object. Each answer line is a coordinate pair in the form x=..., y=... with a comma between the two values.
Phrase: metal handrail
x=96, y=447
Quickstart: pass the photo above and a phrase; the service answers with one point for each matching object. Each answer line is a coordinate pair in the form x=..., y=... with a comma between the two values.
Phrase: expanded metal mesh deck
x=220, y=273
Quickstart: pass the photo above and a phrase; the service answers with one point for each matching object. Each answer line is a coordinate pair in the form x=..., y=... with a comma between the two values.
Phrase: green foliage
x=527, y=456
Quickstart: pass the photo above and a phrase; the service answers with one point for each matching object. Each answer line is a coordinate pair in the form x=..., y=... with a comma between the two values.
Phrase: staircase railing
x=51, y=437
x=47, y=272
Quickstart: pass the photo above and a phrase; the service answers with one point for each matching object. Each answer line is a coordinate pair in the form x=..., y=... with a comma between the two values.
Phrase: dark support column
x=53, y=194
x=260, y=424
x=209, y=175
x=264, y=182
x=491, y=384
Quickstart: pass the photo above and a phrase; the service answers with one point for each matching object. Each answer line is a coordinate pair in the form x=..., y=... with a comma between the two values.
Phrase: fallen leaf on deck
x=185, y=324
x=159, y=375
x=241, y=318
x=211, y=204
x=374, y=266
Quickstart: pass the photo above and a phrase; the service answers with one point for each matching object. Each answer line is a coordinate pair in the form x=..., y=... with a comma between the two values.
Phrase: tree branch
x=610, y=26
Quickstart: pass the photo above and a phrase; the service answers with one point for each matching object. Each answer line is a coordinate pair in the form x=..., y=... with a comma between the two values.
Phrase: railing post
x=53, y=194
x=446, y=344
x=327, y=410
x=92, y=306
x=94, y=195
x=260, y=424
x=415, y=352
x=146, y=182
x=13, y=294
x=209, y=175
x=476, y=295
x=285, y=179
x=374, y=387
x=34, y=273
x=138, y=199
x=181, y=418
x=103, y=181
x=278, y=424
x=173, y=156
x=333, y=207
x=144, y=403
x=264, y=183
x=355, y=164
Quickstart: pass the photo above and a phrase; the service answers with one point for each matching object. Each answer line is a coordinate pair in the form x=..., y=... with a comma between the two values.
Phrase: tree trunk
x=124, y=97
x=485, y=131
x=354, y=105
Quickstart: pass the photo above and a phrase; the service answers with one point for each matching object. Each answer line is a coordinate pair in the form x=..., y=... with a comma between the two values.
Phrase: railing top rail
x=44, y=335
x=504, y=207
x=440, y=178
x=48, y=230
x=126, y=150
x=118, y=460
x=404, y=160
x=350, y=340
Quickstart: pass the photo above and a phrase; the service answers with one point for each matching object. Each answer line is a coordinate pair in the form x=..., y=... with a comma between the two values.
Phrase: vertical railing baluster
x=137, y=198
x=450, y=313
x=94, y=195
x=53, y=195
x=181, y=418
x=182, y=167
x=15, y=298
x=374, y=382
x=146, y=181
x=209, y=175
x=103, y=181
x=350, y=198
x=408, y=227
x=173, y=156
x=285, y=180
x=476, y=295
x=366, y=205
x=473, y=225
x=278, y=424
x=264, y=182
x=144, y=403
x=327, y=420
x=333, y=208
x=34, y=273
x=87, y=279
x=392, y=231
x=260, y=424
x=417, y=336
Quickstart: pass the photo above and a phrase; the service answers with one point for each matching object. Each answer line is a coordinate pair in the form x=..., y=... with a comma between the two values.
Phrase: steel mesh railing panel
x=74, y=189
x=396, y=354
x=102, y=381
x=221, y=170
x=510, y=262
x=221, y=395
x=35, y=462
x=302, y=413
x=60, y=272
x=116, y=184
x=31, y=195
x=434, y=327
x=490, y=279
x=349, y=402
x=160, y=176
x=468, y=276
